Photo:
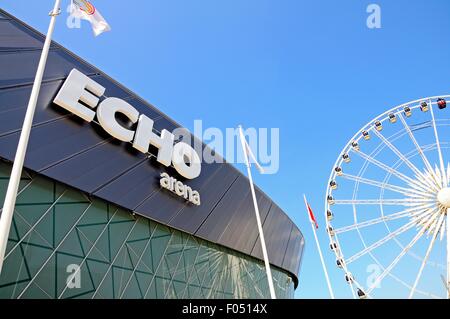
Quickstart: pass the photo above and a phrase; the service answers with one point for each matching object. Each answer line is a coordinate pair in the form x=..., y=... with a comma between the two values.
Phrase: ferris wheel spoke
x=436, y=225
x=399, y=154
x=418, y=147
x=429, y=215
x=427, y=255
x=448, y=173
x=399, y=202
x=389, y=174
x=406, y=191
x=394, y=263
x=415, y=184
x=384, y=240
x=438, y=145
x=426, y=216
x=404, y=213
x=443, y=232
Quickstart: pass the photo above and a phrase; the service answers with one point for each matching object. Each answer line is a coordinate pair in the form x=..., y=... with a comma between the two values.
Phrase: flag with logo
x=85, y=10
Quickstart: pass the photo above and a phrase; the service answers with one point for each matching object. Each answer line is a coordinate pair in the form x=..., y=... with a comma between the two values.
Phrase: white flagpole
x=258, y=217
x=319, y=250
x=13, y=185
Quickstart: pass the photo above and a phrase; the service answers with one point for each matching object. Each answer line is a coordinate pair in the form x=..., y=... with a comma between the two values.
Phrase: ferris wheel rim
x=356, y=138
x=398, y=163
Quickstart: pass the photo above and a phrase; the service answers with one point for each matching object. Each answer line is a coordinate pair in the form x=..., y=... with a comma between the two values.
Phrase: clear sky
x=311, y=68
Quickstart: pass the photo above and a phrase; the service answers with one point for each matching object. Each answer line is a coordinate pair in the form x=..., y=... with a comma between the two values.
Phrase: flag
x=312, y=218
x=249, y=153
x=85, y=10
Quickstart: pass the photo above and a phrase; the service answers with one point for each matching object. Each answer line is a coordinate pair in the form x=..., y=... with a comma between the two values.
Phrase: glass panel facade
x=64, y=244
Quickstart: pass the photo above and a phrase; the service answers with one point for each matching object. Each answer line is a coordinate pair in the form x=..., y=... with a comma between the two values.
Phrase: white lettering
x=193, y=309
x=179, y=189
x=74, y=90
x=145, y=137
x=106, y=114
x=186, y=161
x=80, y=88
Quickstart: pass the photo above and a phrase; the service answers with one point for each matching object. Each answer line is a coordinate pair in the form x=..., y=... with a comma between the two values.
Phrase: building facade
x=92, y=219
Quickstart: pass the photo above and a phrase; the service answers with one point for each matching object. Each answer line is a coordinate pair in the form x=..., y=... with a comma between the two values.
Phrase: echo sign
x=80, y=95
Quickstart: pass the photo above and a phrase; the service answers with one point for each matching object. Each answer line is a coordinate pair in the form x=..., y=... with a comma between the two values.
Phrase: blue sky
x=311, y=68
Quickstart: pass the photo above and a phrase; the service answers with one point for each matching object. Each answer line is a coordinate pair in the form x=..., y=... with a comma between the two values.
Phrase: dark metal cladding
x=277, y=230
x=191, y=218
x=295, y=247
x=240, y=231
x=80, y=154
x=59, y=65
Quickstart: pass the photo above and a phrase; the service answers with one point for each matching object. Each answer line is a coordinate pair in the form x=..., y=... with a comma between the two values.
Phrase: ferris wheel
x=387, y=204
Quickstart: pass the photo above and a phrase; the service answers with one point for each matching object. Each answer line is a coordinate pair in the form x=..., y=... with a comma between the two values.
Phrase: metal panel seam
x=76, y=154
x=215, y=205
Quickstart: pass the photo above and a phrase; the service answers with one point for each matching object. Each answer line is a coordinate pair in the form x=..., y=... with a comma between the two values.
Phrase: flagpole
x=14, y=181
x=258, y=217
x=319, y=250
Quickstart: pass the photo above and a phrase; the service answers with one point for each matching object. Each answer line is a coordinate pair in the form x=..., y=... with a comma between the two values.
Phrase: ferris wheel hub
x=443, y=197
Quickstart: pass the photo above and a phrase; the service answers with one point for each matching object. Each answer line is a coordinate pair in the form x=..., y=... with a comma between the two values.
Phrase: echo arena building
x=109, y=208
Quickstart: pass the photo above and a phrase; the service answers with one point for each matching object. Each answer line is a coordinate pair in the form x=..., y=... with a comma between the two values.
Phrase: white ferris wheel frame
x=435, y=221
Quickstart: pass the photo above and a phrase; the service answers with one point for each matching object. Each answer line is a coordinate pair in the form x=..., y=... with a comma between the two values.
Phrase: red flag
x=311, y=215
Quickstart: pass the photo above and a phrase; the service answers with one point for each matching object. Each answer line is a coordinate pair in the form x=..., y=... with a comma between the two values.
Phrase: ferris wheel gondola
x=392, y=206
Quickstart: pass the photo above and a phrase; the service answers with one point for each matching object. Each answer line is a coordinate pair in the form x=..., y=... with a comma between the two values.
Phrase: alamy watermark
x=226, y=145
x=374, y=19
x=72, y=22
x=73, y=280
x=374, y=272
